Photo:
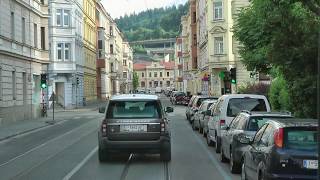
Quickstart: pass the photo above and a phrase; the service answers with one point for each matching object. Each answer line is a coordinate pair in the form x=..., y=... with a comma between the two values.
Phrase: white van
x=158, y=90
x=227, y=107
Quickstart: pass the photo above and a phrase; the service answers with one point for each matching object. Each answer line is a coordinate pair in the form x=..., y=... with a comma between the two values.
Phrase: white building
x=23, y=57
x=66, y=52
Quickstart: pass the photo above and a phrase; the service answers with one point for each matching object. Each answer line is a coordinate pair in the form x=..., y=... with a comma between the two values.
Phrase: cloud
x=118, y=8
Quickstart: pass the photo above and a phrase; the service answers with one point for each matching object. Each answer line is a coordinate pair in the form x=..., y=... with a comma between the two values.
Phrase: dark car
x=178, y=98
x=283, y=149
x=134, y=124
x=245, y=124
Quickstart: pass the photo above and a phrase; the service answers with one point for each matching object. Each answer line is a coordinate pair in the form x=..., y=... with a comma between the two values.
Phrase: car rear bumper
x=290, y=176
x=134, y=146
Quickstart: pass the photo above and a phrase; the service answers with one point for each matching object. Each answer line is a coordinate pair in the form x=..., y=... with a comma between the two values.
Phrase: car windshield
x=133, y=109
x=251, y=104
x=301, y=139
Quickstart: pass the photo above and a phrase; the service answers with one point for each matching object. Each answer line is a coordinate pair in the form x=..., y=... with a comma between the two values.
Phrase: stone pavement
x=11, y=130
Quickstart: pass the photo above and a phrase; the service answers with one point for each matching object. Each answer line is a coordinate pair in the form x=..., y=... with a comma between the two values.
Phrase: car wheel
x=209, y=142
x=262, y=176
x=243, y=172
x=204, y=132
x=193, y=125
x=200, y=130
x=165, y=154
x=218, y=145
x=222, y=157
x=102, y=154
x=234, y=166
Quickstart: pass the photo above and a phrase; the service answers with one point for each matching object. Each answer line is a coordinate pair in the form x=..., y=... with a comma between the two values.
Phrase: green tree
x=283, y=34
x=135, y=81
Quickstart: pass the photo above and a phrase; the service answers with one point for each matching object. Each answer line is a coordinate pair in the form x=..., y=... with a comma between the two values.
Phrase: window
x=59, y=51
x=23, y=29
x=300, y=138
x=12, y=26
x=235, y=122
x=168, y=74
x=63, y=17
x=142, y=74
x=124, y=62
x=168, y=83
x=160, y=74
x=150, y=84
x=59, y=17
x=217, y=14
x=265, y=137
x=195, y=39
x=143, y=84
x=255, y=123
x=218, y=45
x=194, y=17
x=124, y=74
x=111, y=67
x=99, y=44
x=67, y=51
x=161, y=84
x=42, y=2
x=35, y=35
x=258, y=135
x=111, y=48
x=111, y=31
x=150, y=74
x=236, y=105
x=14, y=85
x=155, y=74
x=43, y=38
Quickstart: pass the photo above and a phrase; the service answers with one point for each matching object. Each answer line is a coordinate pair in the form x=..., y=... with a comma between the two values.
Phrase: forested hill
x=152, y=24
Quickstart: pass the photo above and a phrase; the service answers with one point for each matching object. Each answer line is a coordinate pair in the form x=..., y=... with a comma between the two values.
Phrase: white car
x=158, y=90
x=227, y=107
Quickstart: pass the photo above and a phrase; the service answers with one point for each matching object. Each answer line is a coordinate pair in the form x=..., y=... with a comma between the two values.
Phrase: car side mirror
x=245, y=140
x=169, y=109
x=102, y=109
x=227, y=128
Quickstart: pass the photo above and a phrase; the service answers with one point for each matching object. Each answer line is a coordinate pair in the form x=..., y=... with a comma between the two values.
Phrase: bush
x=279, y=95
x=258, y=88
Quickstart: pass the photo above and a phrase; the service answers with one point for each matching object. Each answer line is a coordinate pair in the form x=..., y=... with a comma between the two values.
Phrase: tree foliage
x=152, y=24
x=135, y=80
x=283, y=34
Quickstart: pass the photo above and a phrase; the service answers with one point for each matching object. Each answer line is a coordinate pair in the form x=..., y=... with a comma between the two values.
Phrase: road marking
x=43, y=144
x=78, y=167
x=213, y=159
x=77, y=117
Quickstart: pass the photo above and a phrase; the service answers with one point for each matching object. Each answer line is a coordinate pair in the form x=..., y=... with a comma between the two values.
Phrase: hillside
x=152, y=24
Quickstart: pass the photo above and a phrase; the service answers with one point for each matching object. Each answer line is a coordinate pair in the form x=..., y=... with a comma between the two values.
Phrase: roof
x=295, y=122
x=134, y=97
x=168, y=65
x=242, y=96
x=267, y=114
x=139, y=66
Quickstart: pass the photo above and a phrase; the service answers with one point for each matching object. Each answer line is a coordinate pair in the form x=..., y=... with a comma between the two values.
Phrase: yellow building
x=90, y=92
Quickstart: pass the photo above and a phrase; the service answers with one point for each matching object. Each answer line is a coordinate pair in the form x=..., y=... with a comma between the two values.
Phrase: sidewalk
x=8, y=131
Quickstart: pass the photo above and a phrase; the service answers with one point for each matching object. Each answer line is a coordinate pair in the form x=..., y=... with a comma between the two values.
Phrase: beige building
x=127, y=70
x=155, y=74
x=222, y=46
x=23, y=58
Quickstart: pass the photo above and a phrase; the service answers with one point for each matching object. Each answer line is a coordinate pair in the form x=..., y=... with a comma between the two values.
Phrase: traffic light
x=43, y=82
x=78, y=81
x=233, y=75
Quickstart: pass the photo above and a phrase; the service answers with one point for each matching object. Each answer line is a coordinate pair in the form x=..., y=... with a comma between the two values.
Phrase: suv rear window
x=301, y=139
x=133, y=109
x=236, y=105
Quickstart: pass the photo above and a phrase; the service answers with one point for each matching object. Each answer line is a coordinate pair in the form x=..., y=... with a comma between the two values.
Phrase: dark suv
x=283, y=149
x=134, y=124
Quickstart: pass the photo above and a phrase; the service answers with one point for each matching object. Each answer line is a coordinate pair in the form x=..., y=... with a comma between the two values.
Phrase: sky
x=118, y=8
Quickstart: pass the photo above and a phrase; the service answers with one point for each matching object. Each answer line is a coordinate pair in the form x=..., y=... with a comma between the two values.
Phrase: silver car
x=200, y=114
x=134, y=123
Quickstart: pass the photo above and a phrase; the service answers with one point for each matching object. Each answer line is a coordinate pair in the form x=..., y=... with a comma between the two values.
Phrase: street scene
x=169, y=89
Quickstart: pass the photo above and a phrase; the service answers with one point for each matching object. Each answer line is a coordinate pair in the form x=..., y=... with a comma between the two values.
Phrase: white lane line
x=43, y=144
x=77, y=168
x=77, y=117
x=213, y=159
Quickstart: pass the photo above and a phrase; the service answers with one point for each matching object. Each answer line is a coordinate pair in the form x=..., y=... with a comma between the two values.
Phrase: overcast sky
x=118, y=8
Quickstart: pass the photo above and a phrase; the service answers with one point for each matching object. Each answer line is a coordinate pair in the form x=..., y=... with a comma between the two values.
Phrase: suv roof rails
x=273, y=112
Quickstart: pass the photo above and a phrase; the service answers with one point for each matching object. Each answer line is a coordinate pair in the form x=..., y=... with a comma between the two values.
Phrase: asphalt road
x=69, y=151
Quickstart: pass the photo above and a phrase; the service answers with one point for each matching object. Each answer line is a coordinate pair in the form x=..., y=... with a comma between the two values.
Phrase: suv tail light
x=278, y=138
x=162, y=127
x=222, y=122
x=104, y=128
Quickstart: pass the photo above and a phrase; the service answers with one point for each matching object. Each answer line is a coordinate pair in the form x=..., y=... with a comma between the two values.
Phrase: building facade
x=66, y=77
x=178, y=65
x=155, y=74
x=23, y=58
x=90, y=39
x=127, y=71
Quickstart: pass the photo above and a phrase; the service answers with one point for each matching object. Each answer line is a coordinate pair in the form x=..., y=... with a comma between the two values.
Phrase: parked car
x=188, y=109
x=178, y=98
x=245, y=124
x=196, y=104
x=207, y=116
x=283, y=149
x=134, y=123
x=228, y=106
x=199, y=115
x=172, y=96
x=186, y=100
x=158, y=90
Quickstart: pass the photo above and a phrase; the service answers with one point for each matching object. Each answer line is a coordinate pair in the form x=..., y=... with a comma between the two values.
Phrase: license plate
x=133, y=128
x=310, y=164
